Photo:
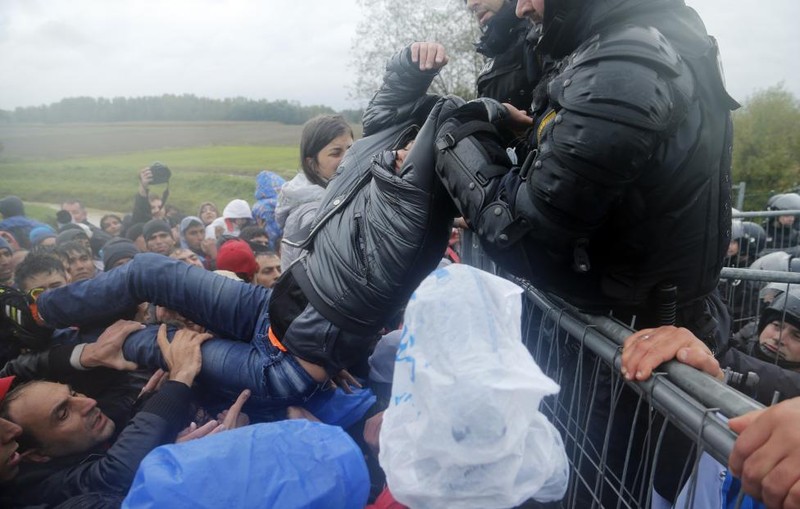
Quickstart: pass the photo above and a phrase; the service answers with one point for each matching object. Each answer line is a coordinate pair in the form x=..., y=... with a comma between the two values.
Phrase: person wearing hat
x=42, y=236
x=192, y=234
x=237, y=215
x=74, y=232
x=236, y=256
x=15, y=221
x=158, y=237
x=118, y=252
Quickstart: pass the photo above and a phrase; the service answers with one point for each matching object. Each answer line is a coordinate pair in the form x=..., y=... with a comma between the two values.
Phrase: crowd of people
x=595, y=163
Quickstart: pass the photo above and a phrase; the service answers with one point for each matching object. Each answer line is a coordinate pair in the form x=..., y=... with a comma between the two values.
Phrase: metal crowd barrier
x=625, y=440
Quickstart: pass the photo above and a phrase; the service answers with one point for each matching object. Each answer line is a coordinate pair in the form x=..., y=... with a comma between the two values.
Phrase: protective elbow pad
x=470, y=159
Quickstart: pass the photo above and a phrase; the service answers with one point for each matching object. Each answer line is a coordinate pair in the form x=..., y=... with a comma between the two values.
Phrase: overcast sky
x=266, y=49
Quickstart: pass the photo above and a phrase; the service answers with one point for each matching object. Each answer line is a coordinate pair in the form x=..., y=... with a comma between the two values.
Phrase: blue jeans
x=231, y=309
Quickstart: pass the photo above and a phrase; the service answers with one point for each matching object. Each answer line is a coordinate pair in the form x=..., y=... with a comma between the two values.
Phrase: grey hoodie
x=297, y=206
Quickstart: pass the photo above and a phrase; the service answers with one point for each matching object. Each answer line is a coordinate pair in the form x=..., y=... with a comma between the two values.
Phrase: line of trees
x=169, y=107
x=766, y=145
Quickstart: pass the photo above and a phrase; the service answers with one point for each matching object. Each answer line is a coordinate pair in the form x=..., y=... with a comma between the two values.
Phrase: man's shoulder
x=642, y=45
x=45, y=483
x=631, y=75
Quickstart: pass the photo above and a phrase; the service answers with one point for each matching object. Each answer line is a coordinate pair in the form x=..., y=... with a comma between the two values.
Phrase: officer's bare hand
x=431, y=56
x=646, y=349
x=766, y=456
x=517, y=119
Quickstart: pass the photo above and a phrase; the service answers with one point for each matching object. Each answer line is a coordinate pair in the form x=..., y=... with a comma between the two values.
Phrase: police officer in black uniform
x=623, y=201
x=511, y=69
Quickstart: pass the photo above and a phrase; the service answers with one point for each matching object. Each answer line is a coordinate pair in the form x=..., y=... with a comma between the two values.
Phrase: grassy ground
x=99, y=163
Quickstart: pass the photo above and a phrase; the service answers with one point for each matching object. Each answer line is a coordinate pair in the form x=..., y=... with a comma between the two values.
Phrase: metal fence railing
x=629, y=444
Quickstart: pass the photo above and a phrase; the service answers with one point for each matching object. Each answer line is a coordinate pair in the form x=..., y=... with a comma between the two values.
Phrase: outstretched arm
x=402, y=96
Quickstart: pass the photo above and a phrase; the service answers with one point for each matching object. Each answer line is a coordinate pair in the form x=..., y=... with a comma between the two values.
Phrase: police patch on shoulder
x=549, y=117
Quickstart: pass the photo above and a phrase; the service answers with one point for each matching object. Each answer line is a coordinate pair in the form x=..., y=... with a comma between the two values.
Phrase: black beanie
x=115, y=250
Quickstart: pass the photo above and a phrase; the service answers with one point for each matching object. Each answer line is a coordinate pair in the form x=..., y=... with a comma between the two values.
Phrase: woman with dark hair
x=208, y=212
x=324, y=141
x=111, y=224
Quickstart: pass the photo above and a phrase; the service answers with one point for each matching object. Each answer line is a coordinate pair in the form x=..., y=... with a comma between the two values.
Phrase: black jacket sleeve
x=402, y=95
x=141, y=209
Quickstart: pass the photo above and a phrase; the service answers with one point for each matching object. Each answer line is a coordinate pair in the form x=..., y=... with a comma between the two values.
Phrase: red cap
x=5, y=385
x=236, y=256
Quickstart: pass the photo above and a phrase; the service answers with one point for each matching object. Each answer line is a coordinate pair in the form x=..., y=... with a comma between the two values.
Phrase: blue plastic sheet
x=286, y=464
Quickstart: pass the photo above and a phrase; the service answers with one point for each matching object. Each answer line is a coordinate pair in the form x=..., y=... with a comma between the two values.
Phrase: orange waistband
x=275, y=341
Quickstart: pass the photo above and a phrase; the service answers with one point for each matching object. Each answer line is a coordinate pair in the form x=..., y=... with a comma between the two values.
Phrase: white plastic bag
x=463, y=428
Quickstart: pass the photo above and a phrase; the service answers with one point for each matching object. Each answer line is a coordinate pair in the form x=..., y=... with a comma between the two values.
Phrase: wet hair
x=73, y=246
x=108, y=216
x=34, y=264
x=318, y=132
x=250, y=232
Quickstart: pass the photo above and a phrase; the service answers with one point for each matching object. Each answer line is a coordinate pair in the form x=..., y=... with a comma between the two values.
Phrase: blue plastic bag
x=286, y=464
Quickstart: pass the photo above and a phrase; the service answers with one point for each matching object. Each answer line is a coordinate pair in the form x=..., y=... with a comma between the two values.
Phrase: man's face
x=76, y=210
x=188, y=257
x=79, y=266
x=786, y=220
x=9, y=457
x=483, y=10
x=46, y=280
x=6, y=265
x=160, y=242
x=194, y=236
x=531, y=9
x=782, y=339
x=269, y=270
x=61, y=420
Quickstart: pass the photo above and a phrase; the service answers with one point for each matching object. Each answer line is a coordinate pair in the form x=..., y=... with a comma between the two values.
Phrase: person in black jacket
x=67, y=439
x=622, y=203
x=511, y=70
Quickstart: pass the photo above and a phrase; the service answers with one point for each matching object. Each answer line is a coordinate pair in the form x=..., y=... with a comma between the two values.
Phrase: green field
x=99, y=163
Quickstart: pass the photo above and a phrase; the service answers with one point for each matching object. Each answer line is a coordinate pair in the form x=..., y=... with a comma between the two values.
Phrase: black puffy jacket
x=378, y=232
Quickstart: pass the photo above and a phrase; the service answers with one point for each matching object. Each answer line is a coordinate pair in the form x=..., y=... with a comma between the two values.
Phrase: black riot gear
x=627, y=187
